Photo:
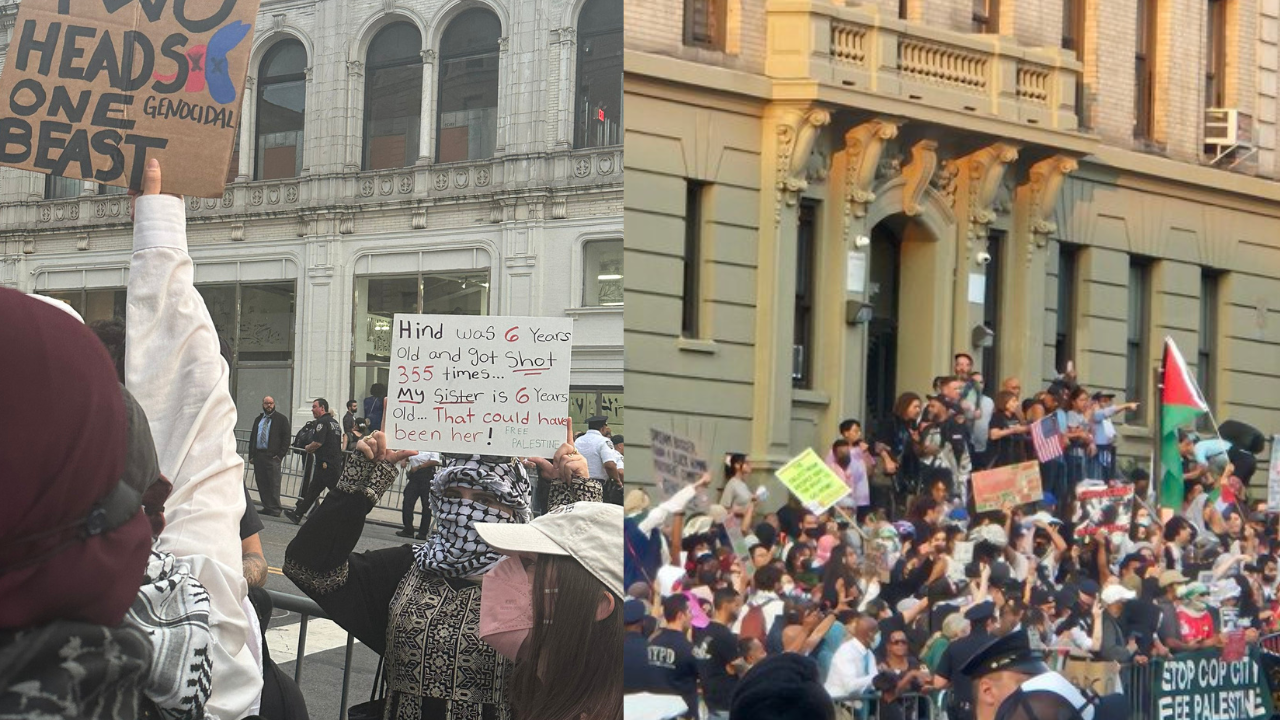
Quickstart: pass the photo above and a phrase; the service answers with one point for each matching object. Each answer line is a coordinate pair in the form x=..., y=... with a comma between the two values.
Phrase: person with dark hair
x=348, y=425
x=719, y=653
x=671, y=659
x=567, y=664
x=374, y=406
x=421, y=469
x=982, y=621
x=269, y=440
x=326, y=446
x=898, y=448
x=1008, y=435
x=737, y=495
x=601, y=483
x=782, y=687
x=839, y=580
x=854, y=462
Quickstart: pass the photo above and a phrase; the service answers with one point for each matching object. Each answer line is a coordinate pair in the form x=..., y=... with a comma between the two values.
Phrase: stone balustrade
x=847, y=47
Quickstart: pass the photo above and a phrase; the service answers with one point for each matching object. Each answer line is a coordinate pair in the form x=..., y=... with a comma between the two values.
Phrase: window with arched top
x=597, y=113
x=282, y=109
x=467, y=122
x=393, y=97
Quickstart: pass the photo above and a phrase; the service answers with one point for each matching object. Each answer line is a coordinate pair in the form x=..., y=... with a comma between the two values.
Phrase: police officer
x=982, y=618
x=1012, y=682
x=603, y=484
x=326, y=447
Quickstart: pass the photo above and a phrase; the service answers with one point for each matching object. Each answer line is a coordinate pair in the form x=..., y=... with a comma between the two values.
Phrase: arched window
x=282, y=101
x=467, y=125
x=393, y=97
x=598, y=105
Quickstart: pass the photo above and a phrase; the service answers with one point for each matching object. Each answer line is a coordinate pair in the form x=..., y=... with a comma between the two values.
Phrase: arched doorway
x=908, y=336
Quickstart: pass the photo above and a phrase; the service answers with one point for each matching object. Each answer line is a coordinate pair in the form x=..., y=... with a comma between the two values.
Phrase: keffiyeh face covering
x=454, y=548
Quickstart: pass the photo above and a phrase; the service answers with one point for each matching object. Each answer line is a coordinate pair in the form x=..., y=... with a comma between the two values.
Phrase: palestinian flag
x=1180, y=404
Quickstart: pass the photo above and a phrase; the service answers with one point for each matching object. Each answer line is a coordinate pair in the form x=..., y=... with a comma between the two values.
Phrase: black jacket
x=279, y=436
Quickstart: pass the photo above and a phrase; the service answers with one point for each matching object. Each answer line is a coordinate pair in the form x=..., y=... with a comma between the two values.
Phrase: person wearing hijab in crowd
x=94, y=622
x=175, y=368
x=419, y=606
x=567, y=649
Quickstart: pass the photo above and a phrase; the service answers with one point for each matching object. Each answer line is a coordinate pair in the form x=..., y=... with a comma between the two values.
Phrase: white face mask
x=788, y=588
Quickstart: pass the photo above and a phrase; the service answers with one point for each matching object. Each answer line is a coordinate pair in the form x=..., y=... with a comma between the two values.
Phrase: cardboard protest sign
x=1017, y=484
x=1273, y=477
x=1200, y=685
x=676, y=461
x=92, y=90
x=1103, y=508
x=809, y=478
x=477, y=384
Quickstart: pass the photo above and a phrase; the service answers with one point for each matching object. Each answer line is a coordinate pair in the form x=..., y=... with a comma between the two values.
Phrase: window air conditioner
x=1222, y=127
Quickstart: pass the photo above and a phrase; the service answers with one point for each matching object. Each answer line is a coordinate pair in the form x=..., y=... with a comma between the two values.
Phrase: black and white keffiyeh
x=172, y=610
x=454, y=548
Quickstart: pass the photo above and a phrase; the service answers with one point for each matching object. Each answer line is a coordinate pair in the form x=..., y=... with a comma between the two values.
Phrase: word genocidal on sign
x=479, y=384
x=92, y=88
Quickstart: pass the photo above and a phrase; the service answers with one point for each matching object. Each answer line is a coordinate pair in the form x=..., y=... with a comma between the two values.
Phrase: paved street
x=325, y=643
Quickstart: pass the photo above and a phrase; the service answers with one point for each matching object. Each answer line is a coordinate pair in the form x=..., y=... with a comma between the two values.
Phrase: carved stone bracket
x=355, y=68
x=82, y=241
x=1046, y=179
x=346, y=223
x=797, y=132
x=863, y=146
x=986, y=174
x=918, y=175
x=419, y=219
x=237, y=232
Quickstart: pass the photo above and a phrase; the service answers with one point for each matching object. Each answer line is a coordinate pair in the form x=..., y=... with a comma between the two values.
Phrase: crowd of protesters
x=892, y=592
x=128, y=541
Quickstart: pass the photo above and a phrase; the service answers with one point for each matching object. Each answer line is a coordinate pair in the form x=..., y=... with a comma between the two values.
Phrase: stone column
x=248, y=113
x=504, y=96
x=355, y=116
x=427, y=127
x=789, y=135
x=566, y=108
x=1022, y=304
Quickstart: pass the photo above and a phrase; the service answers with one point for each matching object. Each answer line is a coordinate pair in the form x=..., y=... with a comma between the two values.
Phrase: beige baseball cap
x=589, y=532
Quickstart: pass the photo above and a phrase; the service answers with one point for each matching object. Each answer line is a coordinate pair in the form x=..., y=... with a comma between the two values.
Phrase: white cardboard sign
x=488, y=385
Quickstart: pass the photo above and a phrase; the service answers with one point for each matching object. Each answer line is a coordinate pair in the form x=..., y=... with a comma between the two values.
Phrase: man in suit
x=268, y=442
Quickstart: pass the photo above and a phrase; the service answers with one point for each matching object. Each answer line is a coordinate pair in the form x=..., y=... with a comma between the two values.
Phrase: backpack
x=305, y=435
x=753, y=622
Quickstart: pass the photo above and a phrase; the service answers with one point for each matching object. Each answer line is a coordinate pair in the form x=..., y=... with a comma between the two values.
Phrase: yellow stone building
x=826, y=200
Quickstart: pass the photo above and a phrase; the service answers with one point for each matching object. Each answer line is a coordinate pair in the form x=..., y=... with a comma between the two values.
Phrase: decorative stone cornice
x=863, y=146
x=918, y=175
x=797, y=132
x=986, y=174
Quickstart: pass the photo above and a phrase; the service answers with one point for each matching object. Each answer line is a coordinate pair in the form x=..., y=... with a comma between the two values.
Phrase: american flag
x=1045, y=435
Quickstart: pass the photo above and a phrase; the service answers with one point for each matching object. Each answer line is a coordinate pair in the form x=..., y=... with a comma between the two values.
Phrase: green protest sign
x=810, y=480
x=1202, y=686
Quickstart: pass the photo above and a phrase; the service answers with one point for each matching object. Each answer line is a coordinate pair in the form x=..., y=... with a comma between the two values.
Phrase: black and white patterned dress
x=424, y=624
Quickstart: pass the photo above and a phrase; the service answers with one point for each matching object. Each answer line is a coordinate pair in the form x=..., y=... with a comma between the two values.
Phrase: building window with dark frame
x=281, y=112
x=255, y=325
x=1064, y=342
x=585, y=402
x=1207, y=341
x=1137, y=378
x=986, y=16
x=598, y=105
x=379, y=297
x=92, y=304
x=57, y=187
x=806, y=292
x=1144, y=61
x=467, y=118
x=393, y=97
x=691, y=293
x=704, y=22
x=602, y=273
x=1215, y=71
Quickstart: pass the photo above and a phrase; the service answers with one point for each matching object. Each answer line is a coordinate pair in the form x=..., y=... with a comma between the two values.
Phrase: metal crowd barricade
x=307, y=609
x=908, y=706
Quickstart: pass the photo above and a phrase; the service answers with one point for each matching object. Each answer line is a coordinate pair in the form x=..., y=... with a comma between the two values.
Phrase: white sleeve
x=174, y=367
x=676, y=503
x=844, y=679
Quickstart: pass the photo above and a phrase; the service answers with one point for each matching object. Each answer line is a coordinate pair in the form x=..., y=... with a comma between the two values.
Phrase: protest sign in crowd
x=979, y=555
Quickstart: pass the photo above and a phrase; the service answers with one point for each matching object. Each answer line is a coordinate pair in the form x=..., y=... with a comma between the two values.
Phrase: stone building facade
x=442, y=156
x=827, y=200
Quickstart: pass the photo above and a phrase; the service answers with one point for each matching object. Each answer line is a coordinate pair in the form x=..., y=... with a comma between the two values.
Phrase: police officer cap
x=981, y=612
x=1007, y=652
x=595, y=422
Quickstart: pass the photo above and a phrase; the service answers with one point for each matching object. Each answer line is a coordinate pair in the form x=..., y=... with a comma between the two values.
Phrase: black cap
x=981, y=612
x=1088, y=587
x=1040, y=596
x=633, y=611
x=595, y=422
x=1007, y=652
x=787, y=686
